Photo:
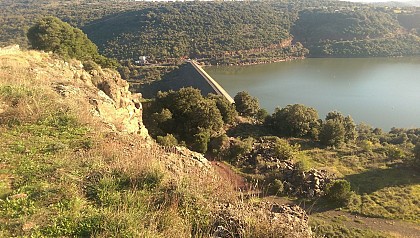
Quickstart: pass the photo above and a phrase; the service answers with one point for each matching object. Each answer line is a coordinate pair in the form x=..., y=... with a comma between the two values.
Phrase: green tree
x=339, y=191
x=246, y=105
x=350, y=133
x=187, y=115
x=52, y=34
x=295, y=120
x=226, y=108
x=332, y=133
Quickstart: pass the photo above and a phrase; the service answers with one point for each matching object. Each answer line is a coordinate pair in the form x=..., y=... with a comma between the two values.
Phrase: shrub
x=201, y=141
x=168, y=140
x=277, y=187
x=332, y=133
x=241, y=147
x=303, y=164
x=52, y=34
x=187, y=115
x=295, y=120
x=284, y=150
x=338, y=191
x=246, y=105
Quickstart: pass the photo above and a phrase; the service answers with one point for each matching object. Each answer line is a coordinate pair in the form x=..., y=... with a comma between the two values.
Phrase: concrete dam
x=189, y=74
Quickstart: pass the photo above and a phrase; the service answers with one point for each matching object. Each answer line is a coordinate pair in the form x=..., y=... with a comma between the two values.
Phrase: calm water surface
x=382, y=92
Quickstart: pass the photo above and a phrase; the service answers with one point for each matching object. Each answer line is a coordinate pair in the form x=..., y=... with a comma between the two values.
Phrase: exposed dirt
x=231, y=176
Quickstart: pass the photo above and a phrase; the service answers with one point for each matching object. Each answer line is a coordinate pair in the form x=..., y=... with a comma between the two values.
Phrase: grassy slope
x=64, y=174
x=384, y=188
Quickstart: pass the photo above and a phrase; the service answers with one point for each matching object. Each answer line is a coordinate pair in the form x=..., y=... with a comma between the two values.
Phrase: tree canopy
x=187, y=115
x=52, y=34
x=295, y=120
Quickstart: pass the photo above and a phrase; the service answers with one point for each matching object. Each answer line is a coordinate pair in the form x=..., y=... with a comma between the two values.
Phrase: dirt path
x=231, y=176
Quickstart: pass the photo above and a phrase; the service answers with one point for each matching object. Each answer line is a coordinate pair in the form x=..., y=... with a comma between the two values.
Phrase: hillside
x=76, y=161
x=224, y=32
x=196, y=30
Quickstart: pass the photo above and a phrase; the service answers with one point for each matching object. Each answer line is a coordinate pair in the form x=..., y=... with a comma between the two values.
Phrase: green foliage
x=303, y=164
x=187, y=115
x=318, y=25
x=339, y=191
x=227, y=109
x=401, y=45
x=416, y=152
x=294, y=120
x=284, y=150
x=201, y=141
x=240, y=147
x=168, y=140
x=219, y=145
x=246, y=105
x=332, y=133
x=51, y=34
x=195, y=30
x=277, y=187
x=262, y=115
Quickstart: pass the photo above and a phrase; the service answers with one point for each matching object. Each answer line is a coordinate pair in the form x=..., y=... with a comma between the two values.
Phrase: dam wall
x=219, y=90
x=189, y=74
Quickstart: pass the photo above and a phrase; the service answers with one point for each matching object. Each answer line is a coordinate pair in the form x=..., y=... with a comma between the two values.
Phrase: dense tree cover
x=51, y=34
x=187, y=115
x=396, y=46
x=410, y=21
x=198, y=29
x=337, y=129
x=227, y=109
x=246, y=104
x=314, y=26
x=295, y=120
x=221, y=33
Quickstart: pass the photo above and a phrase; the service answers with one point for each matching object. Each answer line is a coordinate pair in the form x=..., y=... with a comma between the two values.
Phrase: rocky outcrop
x=265, y=159
x=307, y=184
x=264, y=219
x=102, y=89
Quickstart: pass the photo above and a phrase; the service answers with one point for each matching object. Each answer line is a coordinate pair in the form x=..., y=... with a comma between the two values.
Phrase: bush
x=246, y=105
x=219, y=145
x=294, y=120
x=201, y=141
x=240, y=147
x=339, y=191
x=303, y=164
x=168, y=140
x=277, y=187
x=332, y=133
x=52, y=34
x=187, y=115
x=284, y=150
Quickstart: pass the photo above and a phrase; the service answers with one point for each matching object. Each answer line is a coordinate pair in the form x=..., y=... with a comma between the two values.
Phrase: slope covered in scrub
x=76, y=161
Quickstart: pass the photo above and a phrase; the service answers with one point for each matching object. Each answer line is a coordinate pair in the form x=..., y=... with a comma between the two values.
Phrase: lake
x=382, y=92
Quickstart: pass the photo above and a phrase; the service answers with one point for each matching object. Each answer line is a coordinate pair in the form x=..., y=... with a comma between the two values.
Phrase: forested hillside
x=226, y=32
x=193, y=30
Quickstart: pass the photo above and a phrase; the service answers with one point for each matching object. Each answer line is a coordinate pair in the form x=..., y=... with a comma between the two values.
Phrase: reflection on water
x=383, y=92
